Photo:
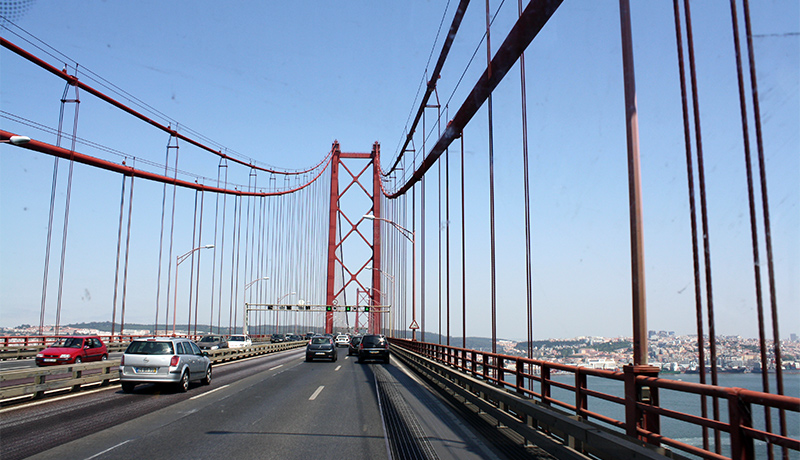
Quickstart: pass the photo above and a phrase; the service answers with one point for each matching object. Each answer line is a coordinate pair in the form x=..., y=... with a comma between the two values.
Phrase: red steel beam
x=73, y=80
x=60, y=152
x=532, y=20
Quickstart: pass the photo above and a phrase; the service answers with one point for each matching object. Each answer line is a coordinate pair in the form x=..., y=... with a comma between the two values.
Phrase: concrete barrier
x=17, y=383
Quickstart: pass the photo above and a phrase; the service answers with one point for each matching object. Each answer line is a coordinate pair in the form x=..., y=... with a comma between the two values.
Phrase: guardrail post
x=545, y=384
x=635, y=394
x=740, y=416
x=37, y=381
x=520, y=383
x=76, y=374
x=501, y=371
x=485, y=360
x=581, y=399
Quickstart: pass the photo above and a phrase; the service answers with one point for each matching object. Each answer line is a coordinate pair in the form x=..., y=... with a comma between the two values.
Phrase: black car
x=276, y=338
x=321, y=347
x=373, y=347
x=352, y=349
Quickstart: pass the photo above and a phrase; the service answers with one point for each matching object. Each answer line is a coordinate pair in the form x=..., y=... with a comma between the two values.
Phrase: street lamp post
x=410, y=237
x=245, y=326
x=178, y=261
x=383, y=294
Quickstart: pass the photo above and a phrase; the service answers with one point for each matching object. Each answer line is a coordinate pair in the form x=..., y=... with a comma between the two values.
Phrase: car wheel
x=386, y=360
x=207, y=379
x=127, y=387
x=78, y=360
x=183, y=385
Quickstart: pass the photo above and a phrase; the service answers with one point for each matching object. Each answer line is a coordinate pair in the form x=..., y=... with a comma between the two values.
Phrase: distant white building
x=599, y=363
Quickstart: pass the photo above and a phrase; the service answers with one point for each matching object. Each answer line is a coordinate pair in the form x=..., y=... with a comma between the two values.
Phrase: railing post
x=634, y=394
x=485, y=367
x=501, y=371
x=520, y=384
x=581, y=399
x=739, y=414
x=473, y=363
x=545, y=384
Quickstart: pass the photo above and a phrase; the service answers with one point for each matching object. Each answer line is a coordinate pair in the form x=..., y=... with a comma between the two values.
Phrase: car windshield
x=68, y=342
x=373, y=341
x=238, y=338
x=320, y=340
x=150, y=348
x=355, y=340
x=209, y=338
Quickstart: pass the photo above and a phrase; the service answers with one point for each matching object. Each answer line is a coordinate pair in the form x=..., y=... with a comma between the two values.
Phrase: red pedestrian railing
x=635, y=410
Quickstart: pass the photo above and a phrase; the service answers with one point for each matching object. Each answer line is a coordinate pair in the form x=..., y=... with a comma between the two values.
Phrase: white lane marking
x=316, y=393
x=209, y=392
x=108, y=450
x=273, y=368
x=337, y=368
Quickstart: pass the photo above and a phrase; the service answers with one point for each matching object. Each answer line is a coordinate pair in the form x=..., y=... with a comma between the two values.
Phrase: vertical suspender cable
x=692, y=212
x=171, y=230
x=752, y=207
x=47, y=245
x=704, y=223
x=526, y=188
x=422, y=248
x=195, y=244
x=463, y=256
x=127, y=258
x=248, y=274
x=447, y=229
x=76, y=101
x=161, y=241
x=491, y=184
x=199, y=254
x=116, y=266
x=776, y=343
x=214, y=262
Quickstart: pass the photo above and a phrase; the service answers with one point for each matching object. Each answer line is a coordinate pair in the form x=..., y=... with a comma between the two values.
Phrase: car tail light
x=174, y=361
x=122, y=361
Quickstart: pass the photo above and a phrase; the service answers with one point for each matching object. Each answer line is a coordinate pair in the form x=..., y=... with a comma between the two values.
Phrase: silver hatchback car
x=170, y=360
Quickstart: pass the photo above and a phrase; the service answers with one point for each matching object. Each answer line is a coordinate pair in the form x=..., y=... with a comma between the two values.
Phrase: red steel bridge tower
x=343, y=227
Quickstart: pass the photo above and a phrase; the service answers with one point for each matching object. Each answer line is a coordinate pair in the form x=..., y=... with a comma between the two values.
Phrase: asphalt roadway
x=271, y=407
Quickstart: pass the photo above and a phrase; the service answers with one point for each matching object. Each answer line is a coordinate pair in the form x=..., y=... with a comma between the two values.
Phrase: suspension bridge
x=409, y=245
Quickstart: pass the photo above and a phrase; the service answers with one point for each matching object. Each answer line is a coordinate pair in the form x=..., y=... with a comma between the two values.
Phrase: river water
x=691, y=404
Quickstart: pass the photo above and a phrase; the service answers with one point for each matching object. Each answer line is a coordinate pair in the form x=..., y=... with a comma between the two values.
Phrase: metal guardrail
x=30, y=351
x=560, y=434
x=509, y=375
x=36, y=382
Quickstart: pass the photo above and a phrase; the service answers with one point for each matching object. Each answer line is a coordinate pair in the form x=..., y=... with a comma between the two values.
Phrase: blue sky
x=279, y=81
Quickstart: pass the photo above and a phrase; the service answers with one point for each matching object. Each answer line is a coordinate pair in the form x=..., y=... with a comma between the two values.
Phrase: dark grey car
x=321, y=346
x=212, y=342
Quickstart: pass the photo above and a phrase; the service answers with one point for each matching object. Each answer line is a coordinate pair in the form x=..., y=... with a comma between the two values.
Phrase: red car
x=73, y=350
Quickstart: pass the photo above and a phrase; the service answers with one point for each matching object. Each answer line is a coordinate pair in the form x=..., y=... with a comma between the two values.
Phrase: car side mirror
x=205, y=353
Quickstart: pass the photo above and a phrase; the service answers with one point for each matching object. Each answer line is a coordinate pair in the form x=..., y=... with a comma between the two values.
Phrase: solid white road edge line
x=108, y=450
x=209, y=392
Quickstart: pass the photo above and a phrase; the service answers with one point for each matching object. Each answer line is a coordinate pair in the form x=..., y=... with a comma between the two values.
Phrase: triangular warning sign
x=414, y=325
